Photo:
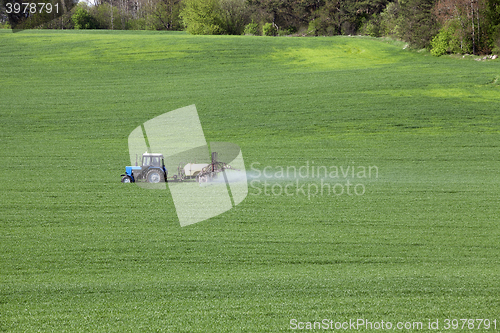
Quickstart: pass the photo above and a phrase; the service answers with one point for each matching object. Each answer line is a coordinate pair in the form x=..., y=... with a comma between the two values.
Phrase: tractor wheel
x=126, y=179
x=154, y=176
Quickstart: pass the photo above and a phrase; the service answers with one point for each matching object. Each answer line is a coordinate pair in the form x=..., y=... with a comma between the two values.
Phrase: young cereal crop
x=82, y=252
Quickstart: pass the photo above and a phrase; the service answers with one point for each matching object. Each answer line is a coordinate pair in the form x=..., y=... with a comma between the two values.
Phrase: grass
x=82, y=252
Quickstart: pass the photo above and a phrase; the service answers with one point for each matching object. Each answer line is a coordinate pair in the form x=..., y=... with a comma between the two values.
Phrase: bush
x=450, y=40
x=215, y=17
x=202, y=17
x=234, y=16
x=136, y=24
x=269, y=29
x=5, y=25
x=314, y=27
x=440, y=43
x=286, y=32
x=252, y=29
x=322, y=25
x=372, y=27
x=83, y=19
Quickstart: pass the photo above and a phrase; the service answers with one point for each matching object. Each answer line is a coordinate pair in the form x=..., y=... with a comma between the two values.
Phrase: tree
x=471, y=18
x=493, y=29
x=235, y=14
x=165, y=15
x=417, y=22
x=327, y=20
x=107, y=16
x=281, y=13
x=389, y=19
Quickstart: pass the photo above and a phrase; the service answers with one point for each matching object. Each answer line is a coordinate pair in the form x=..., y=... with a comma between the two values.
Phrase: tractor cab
x=152, y=160
x=152, y=170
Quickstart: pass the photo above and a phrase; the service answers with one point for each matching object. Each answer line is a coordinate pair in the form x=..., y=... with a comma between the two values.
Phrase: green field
x=80, y=251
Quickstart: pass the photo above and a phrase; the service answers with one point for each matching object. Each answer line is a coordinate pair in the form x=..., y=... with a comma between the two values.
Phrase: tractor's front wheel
x=126, y=179
x=154, y=176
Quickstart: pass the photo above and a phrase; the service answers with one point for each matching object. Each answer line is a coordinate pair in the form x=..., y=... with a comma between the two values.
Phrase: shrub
x=372, y=27
x=202, y=17
x=269, y=29
x=5, y=25
x=136, y=24
x=322, y=25
x=234, y=15
x=440, y=43
x=286, y=32
x=83, y=19
x=215, y=17
x=252, y=28
x=450, y=39
x=314, y=27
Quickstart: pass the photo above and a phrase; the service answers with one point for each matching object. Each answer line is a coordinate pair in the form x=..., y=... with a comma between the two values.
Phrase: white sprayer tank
x=192, y=169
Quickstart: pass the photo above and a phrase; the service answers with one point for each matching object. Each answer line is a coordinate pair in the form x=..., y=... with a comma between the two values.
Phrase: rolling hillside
x=82, y=252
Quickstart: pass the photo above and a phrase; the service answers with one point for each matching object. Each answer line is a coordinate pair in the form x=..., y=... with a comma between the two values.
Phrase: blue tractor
x=152, y=170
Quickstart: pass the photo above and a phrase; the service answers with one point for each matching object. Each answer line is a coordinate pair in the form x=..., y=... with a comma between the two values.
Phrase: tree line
x=443, y=26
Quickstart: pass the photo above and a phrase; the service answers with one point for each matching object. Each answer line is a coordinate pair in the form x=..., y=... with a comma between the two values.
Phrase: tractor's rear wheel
x=154, y=176
x=126, y=179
